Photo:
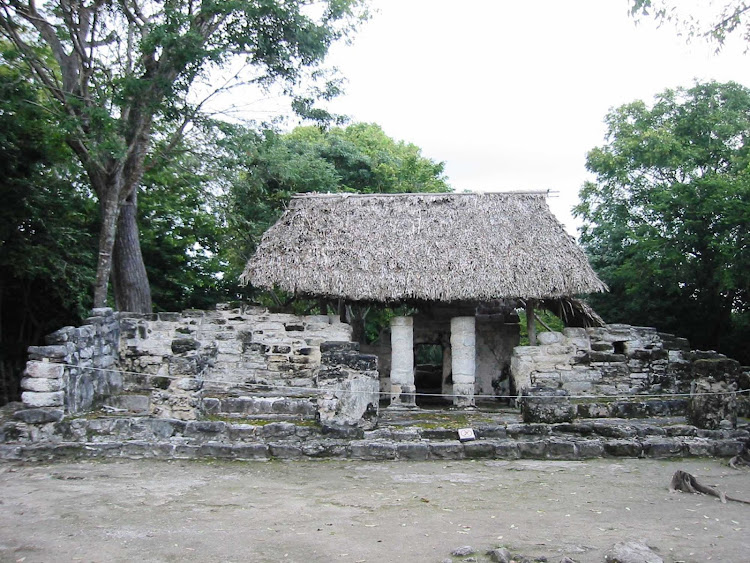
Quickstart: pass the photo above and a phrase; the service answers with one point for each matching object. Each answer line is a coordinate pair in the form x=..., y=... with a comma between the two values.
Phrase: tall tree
x=47, y=225
x=119, y=67
x=715, y=24
x=666, y=220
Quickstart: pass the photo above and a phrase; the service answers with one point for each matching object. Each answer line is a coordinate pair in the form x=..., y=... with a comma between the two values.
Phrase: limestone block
x=520, y=369
x=544, y=377
x=579, y=343
x=229, y=346
x=546, y=338
x=575, y=375
x=32, y=399
x=57, y=351
x=575, y=332
x=528, y=351
x=41, y=385
x=575, y=387
x=47, y=370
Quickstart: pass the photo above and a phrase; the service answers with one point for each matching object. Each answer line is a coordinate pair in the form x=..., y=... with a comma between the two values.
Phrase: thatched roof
x=421, y=247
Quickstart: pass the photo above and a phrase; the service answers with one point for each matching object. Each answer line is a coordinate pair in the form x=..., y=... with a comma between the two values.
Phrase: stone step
x=258, y=406
x=171, y=438
x=552, y=448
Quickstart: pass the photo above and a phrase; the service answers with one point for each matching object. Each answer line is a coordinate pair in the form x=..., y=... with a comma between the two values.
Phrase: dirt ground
x=354, y=511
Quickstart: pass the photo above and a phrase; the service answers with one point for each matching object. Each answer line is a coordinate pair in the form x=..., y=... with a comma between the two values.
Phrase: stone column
x=463, y=351
x=402, y=362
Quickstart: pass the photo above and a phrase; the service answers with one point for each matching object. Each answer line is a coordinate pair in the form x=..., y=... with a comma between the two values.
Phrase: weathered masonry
x=243, y=383
x=465, y=261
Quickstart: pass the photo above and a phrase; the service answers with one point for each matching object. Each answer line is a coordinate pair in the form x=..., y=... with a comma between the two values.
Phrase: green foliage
x=47, y=226
x=272, y=167
x=552, y=321
x=715, y=23
x=182, y=233
x=665, y=222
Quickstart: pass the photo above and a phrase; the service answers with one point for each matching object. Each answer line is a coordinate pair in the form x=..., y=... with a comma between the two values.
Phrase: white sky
x=511, y=95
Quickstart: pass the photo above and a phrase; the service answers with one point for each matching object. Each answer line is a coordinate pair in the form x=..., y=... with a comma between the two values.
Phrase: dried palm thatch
x=421, y=247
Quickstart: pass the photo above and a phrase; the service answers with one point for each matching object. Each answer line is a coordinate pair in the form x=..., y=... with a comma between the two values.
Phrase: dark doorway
x=428, y=374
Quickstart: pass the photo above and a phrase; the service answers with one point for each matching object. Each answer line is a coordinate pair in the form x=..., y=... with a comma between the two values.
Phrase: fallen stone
x=463, y=551
x=500, y=555
x=631, y=552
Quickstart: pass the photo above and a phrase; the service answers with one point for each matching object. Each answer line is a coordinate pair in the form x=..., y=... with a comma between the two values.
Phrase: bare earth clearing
x=365, y=511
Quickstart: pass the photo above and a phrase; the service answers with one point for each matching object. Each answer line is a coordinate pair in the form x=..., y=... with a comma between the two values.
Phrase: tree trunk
x=110, y=210
x=129, y=278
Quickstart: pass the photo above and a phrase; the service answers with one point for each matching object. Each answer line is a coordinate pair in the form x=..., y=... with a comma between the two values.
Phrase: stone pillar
x=402, y=362
x=463, y=351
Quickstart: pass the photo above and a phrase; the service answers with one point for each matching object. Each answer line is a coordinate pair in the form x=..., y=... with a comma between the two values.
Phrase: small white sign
x=466, y=434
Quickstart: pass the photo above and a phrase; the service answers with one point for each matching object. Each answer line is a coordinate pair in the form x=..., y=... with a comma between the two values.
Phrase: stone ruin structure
x=243, y=383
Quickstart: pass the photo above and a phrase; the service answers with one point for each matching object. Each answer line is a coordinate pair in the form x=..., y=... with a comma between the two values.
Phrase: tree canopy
x=120, y=74
x=715, y=24
x=665, y=221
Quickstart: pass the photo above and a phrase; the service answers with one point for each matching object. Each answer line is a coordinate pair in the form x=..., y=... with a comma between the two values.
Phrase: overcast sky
x=511, y=95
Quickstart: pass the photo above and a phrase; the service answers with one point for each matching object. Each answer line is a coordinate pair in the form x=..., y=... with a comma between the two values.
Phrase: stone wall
x=616, y=359
x=181, y=365
x=231, y=350
x=621, y=371
x=74, y=371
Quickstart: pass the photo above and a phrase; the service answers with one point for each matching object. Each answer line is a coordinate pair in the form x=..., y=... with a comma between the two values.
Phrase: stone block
x=412, y=451
x=699, y=447
x=491, y=431
x=277, y=430
x=479, y=449
x=39, y=415
x=318, y=449
x=200, y=428
x=615, y=430
x=41, y=385
x=242, y=432
x=623, y=448
x=589, y=448
x=282, y=450
x=32, y=399
x=507, y=449
x=373, y=450
x=728, y=448
x=547, y=338
x=250, y=451
x=47, y=370
x=662, y=447
x=578, y=387
x=446, y=450
x=532, y=449
x=217, y=450
x=558, y=448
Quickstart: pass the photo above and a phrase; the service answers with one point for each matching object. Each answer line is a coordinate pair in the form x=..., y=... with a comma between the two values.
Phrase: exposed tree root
x=740, y=460
x=684, y=481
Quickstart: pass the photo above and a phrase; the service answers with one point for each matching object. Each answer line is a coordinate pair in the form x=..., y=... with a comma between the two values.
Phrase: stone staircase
x=241, y=433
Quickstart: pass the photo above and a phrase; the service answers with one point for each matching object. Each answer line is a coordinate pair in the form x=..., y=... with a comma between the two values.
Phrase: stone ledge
x=542, y=449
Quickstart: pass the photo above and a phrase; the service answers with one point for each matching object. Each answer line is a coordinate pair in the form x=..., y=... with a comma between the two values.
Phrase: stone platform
x=419, y=434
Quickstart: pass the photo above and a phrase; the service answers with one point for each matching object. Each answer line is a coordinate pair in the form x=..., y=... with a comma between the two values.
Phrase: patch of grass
x=309, y=423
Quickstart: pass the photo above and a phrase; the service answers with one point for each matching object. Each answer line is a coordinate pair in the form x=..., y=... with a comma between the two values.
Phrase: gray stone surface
x=632, y=552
